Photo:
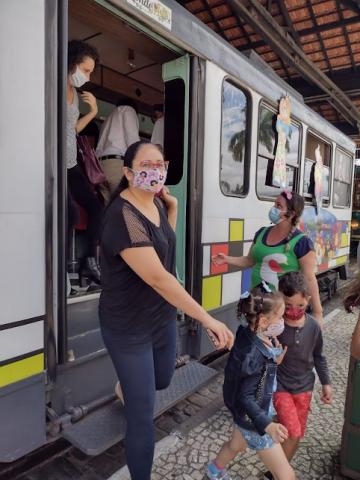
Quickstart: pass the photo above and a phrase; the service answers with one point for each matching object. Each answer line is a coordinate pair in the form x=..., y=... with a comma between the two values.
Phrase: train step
x=103, y=428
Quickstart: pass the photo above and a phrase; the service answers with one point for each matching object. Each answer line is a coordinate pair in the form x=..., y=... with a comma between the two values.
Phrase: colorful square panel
x=211, y=292
x=236, y=230
x=246, y=280
x=235, y=250
x=206, y=260
x=215, y=249
x=344, y=240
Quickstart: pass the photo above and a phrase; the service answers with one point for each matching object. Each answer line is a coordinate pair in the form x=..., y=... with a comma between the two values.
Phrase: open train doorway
x=138, y=69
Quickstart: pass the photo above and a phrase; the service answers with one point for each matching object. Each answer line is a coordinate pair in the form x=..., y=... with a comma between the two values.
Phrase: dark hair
x=352, y=296
x=292, y=283
x=129, y=156
x=78, y=50
x=295, y=205
x=259, y=302
x=158, y=107
x=127, y=102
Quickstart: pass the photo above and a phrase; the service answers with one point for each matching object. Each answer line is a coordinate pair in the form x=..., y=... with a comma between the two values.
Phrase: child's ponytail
x=260, y=300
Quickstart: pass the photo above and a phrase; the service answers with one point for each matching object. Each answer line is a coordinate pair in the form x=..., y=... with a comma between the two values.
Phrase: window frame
x=308, y=198
x=248, y=128
x=294, y=121
x=351, y=184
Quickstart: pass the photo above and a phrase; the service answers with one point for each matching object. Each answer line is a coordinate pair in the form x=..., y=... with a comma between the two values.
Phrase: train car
x=355, y=218
x=56, y=379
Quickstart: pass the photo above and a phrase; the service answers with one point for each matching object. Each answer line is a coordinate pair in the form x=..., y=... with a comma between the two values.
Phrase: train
x=56, y=378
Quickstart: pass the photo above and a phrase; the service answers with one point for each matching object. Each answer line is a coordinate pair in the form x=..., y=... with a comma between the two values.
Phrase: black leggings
x=141, y=371
x=82, y=192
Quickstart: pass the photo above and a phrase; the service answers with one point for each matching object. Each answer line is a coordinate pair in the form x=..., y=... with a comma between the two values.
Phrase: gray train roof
x=195, y=37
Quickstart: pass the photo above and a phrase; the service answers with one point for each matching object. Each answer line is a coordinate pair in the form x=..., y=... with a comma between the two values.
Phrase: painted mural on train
x=327, y=233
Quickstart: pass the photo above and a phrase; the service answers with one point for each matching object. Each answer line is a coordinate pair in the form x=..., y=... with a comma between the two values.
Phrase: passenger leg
x=164, y=352
x=275, y=460
x=113, y=170
x=231, y=449
x=84, y=195
x=135, y=370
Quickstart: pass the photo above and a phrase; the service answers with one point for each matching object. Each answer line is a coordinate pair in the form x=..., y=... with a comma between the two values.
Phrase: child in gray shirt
x=303, y=339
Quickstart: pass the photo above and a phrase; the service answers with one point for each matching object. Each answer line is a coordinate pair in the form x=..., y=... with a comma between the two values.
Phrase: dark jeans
x=141, y=370
x=82, y=192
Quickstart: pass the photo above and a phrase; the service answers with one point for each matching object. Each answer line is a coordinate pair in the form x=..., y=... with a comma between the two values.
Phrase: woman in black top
x=141, y=294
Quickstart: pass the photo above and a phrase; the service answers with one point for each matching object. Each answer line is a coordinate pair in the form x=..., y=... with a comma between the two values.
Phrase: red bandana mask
x=294, y=313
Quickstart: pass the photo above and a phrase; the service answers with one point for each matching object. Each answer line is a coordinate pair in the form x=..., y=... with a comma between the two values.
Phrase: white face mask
x=79, y=78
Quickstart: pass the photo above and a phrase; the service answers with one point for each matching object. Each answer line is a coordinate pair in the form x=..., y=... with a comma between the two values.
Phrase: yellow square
x=344, y=240
x=341, y=260
x=211, y=292
x=236, y=230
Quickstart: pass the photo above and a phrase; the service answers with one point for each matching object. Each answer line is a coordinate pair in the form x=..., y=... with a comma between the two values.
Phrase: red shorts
x=292, y=411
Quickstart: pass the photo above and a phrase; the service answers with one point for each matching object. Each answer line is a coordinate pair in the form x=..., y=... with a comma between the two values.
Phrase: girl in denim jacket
x=250, y=380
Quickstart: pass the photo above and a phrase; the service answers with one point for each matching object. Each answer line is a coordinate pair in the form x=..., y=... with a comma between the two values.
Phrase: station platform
x=190, y=433
x=184, y=454
x=317, y=457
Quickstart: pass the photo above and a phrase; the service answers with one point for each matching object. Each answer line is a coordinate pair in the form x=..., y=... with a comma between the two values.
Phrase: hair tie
x=245, y=295
x=287, y=194
x=266, y=287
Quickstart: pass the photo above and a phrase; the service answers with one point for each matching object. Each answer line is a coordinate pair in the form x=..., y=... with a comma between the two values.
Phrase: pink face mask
x=275, y=329
x=150, y=180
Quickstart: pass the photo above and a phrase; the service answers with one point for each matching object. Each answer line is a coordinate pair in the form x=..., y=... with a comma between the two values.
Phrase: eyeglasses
x=147, y=165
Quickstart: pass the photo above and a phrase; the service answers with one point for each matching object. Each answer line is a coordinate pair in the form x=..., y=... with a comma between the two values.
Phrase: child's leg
x=302, y=403
x=230, y=449
x=290, y=446
x=275, y=460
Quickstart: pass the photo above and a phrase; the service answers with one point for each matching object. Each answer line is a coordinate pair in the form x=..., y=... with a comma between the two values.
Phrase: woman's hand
x=219, y=259
x=219, y=333
x=169, y=200
x=277, y=432
x=89, y=98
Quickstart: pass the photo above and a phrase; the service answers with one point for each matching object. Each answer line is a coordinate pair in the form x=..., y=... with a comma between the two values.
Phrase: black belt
x=106, y=157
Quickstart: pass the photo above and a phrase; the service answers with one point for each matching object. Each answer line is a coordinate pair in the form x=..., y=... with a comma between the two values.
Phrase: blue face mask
x=274, y=215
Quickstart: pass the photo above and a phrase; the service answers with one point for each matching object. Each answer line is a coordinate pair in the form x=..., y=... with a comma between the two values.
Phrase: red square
x=215, y=249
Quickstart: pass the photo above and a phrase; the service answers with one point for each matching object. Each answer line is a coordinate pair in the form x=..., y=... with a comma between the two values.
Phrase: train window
x=174, y=129
x=312, y=142
x=342, y=179
x=267, y=142
x=233, y=157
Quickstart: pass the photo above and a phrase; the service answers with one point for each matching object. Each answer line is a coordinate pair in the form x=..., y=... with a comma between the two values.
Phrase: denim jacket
x=250, y=375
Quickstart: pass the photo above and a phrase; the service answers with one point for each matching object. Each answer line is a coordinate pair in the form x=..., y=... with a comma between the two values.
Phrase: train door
x=176, y=76
x=132, y=66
